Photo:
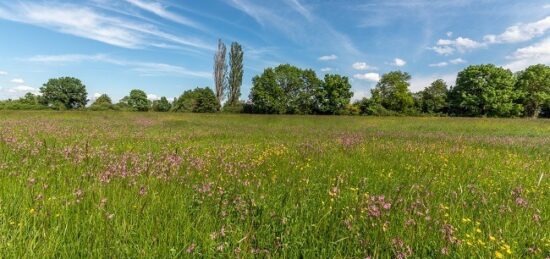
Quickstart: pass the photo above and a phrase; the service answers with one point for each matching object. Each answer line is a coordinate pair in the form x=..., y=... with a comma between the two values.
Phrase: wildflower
x=492, y=238
x=32, y=211
x=191, y=248
x=498, y=254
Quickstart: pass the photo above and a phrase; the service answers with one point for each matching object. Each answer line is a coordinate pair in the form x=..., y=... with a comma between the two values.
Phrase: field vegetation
x=120, y=184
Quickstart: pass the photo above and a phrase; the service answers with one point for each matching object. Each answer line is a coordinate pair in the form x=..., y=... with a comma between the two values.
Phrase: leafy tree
x=30, y=99
x=283, y=90
x=534, y=85
x=103, y=102
x=434, y=98
x=162, y=105
x=335, y=95
x=235, y=79
x=220, y=71
x=137, y=101
x=200, y=100
x=392, y=92
x=103, y=99
x=64, y=93
x=485, y=90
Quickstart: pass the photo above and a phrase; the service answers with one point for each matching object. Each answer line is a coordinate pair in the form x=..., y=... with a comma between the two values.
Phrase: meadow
x=174, y=185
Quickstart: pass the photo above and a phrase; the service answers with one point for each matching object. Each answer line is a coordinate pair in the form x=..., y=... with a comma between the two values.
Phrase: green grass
x=93, y=184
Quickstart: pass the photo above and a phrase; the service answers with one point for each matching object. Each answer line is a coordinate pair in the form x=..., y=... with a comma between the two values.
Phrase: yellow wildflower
x=498, y=254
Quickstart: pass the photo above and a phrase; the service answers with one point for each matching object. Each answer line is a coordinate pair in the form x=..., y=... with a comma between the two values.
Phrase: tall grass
x=77, y=184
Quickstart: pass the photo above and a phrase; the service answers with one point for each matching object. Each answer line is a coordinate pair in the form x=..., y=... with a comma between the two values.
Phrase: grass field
x=78, y=184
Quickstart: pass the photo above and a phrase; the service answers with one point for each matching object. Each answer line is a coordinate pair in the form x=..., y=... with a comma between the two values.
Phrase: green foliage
x=199, y=100
x=235, y=79
x=162, y=105
x=235, y=108
x=392, y=92
x=336, y=94
x=289, y=90
x=433, y=99
x=137, y=101
x=64, y=93
x=534, y=85
x=102, y=103
x=485, y=90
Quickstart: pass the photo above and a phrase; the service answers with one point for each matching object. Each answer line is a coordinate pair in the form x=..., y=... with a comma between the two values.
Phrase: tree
x=433, y=99
x=485, y=90
x=64, y=92
x=220, y=71
x=103, y=99
x=392, y=92
x=162, y=105
x=201, y=100
x=30, y=99
x=534, y=85
x=137, y=101
x=281, y=90
x=336, y=94
x=235, y=79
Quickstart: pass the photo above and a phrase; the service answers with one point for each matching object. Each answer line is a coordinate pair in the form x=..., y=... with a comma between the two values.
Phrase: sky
x=165, y=47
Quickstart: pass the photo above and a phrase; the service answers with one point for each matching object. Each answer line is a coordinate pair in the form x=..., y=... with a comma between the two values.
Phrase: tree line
x=480, y=90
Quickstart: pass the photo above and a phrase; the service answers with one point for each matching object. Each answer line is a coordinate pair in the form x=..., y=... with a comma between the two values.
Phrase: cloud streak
x=85, y=22
x=144, y=68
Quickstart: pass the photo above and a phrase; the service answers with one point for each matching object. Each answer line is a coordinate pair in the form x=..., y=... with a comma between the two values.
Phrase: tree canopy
x=200, y=100
x=64, y=93
x=534, y=86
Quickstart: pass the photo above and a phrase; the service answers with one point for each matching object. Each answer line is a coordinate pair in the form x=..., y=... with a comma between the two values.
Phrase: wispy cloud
x=440, y=64
x=3, y=73
x=328, y=57
x=18, y=81
x=362, y=66
x=161, y=11
x=144, y=68
x=87, y=23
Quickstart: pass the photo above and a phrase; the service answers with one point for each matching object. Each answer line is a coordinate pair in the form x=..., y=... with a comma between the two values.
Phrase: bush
x=199, y=100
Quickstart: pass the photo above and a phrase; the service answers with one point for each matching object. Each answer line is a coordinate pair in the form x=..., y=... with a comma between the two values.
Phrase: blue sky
x=165, y=47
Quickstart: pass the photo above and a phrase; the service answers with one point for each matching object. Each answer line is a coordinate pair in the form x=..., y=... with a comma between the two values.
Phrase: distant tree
x=220, y=71
x=103, y=99
x=434, y=98
x=162, y=105
x=200, y=100
x=137, y=101
x=278, y=90
x=485, y=90
x=235, y=79
x=30, y=99
x=392, y=92
x=534, y=85
x=64, y=93
x=103, y=102
x=335, y=95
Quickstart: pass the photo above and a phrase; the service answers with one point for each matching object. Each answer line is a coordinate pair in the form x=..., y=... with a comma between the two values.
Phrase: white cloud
x=362, y=66
x=440, y=64
x=152, y=97
x=546, y=6
x=3, y=73
x=145, y=68
x=17, y=91
x=520, y=32
x=326, y=69
x=419, y=82
x=159, y=10
x=448, y=46
x=374, y=77
x=360, y=94
x=443, y=50
x=457, y=61
x=87, y=23
x=17, y=81
x=328, y=57
x=97, y=95
x=538, y=53
x=399, y=62
x=449, y=34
